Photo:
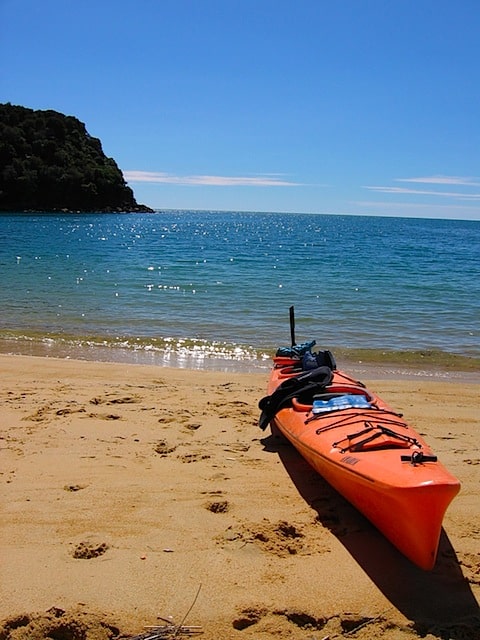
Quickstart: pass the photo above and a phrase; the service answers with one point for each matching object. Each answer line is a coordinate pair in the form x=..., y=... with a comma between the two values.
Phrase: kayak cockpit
x=333, y=398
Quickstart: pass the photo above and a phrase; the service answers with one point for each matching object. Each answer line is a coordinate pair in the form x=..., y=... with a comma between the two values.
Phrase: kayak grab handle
x=418, y=457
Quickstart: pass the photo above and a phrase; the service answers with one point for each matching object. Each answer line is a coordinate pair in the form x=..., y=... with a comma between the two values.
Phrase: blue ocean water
x=185, y=286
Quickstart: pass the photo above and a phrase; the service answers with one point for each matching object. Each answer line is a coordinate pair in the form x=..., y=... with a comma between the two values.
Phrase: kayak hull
x=374, y=460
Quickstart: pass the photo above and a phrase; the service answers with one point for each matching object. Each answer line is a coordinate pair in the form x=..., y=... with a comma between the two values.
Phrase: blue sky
x=346, y=106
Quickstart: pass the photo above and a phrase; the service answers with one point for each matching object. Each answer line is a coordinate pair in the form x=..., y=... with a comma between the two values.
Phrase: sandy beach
x=134, y=495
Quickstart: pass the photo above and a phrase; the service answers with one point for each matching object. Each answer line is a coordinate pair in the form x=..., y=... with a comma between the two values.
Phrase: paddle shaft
x=292, y=325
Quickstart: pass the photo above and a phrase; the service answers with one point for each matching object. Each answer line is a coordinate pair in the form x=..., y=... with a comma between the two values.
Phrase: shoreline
x=131, y=493
x=369, y=363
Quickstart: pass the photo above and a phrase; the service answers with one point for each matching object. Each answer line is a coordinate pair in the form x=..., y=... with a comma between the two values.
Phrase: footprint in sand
x=218, y=506
x=470, y=563
x=60, y=624
x=248, y=617
x=335, y=626
x=105, y=416
x=163, y=448
x=43, y=413
x=194, y=457
x=110, y=399
x=88, y=549
x=302, y=620
x=281, y=539
x=167, y=418
x=254, y=615
x=74, y=487
x=68, y=411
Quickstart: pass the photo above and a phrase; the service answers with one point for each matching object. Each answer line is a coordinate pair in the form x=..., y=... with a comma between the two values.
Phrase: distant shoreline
x=141, y=208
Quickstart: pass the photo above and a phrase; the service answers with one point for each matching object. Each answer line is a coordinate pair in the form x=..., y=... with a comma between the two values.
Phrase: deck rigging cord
x=379, y=430
x=358, y=416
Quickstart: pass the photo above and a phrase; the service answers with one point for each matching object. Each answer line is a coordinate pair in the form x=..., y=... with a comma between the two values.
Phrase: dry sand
x=134, y=493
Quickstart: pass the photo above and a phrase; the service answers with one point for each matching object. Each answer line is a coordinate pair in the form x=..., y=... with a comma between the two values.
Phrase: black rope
x=379, y=431
x=358, y=416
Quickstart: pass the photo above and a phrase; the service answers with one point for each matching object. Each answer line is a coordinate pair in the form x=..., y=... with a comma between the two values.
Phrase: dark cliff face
x=49, y=162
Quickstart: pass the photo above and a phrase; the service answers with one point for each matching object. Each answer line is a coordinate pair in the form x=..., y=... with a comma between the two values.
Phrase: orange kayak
x=365, y=450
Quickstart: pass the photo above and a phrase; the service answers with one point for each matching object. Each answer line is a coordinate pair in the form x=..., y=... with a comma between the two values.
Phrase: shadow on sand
x=437, y=601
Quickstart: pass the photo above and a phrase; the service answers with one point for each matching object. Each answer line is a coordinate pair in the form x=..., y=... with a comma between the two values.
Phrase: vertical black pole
x=292, y=325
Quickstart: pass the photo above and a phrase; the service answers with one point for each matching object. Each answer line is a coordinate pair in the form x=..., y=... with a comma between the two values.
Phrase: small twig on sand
x=168, y=632
x=191, y=607
x=171, y=630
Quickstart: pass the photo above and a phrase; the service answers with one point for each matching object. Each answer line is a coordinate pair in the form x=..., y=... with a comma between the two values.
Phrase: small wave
x=199, y=354
x=164, y=351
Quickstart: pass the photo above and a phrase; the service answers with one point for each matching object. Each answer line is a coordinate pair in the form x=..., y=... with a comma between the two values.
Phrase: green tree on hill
x=48, y=161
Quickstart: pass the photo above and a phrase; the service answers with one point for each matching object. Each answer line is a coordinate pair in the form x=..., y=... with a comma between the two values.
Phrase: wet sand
x=136, y=494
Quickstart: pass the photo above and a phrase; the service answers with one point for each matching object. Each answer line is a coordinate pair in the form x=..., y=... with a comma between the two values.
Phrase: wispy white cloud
x=386, y=205
x=433, y=182
x=265, y=180
x=425, y=192
x=444, y=180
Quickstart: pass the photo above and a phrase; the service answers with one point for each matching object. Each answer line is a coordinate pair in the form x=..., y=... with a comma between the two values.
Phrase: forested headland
x=49, y=162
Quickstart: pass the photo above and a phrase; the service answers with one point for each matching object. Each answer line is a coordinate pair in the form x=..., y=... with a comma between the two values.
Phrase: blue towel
x=348, y=401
